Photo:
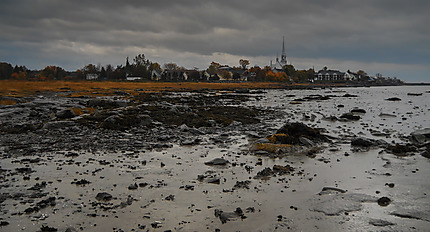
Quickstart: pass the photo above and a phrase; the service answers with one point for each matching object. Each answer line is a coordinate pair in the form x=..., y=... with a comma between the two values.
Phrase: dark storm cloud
x=384, y=31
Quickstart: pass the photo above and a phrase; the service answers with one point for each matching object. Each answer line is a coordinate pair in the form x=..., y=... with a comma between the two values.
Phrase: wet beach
x=330, y=159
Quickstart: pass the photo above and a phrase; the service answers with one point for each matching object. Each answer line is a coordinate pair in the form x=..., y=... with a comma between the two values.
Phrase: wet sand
x=155, y=169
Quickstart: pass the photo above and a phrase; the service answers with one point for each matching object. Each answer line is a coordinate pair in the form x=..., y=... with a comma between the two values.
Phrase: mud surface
x=277, y=160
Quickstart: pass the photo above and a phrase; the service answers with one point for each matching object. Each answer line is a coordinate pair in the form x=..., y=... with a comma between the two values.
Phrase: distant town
x=142, y=69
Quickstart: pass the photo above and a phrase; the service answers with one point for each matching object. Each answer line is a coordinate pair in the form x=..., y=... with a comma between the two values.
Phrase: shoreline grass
x=17, y=88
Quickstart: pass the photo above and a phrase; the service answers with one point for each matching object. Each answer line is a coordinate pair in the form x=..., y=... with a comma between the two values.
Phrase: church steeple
x=283, y=55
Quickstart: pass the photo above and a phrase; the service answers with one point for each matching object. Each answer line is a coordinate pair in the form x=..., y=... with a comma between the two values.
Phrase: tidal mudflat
x=341, y=159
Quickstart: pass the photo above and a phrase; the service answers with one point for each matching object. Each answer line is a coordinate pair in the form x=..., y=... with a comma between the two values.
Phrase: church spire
x=283, y=55
x=283, y=45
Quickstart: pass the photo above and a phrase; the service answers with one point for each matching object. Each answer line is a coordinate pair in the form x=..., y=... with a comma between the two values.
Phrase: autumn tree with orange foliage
x=304, y=75
x=19, y=75
x=226, y=75
x=276, y=77
x=52, y=73
x=243, y=63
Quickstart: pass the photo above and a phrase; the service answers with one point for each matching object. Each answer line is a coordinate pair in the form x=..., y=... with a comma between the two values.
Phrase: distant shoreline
x=98, y=88
x=417, y=84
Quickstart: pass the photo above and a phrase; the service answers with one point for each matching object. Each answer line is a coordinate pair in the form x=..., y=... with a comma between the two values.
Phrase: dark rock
x=349, y=95
x=265, y=173
x=228, y=216
x=235, y=124
x=307, y=142
x=38, y=186
x=328, y=190
x=142, y=185
x=426, y=153
x=291, y=133
x=391, y=185
x=19, y=128
x=379, y=222
x=71, y=229
x=356, y=110
x=112, y=122
x=48, y=229
x=66, y=113
x=252, y=134
x=24, y=170
x=47, y=202
x=156, y=224
x=242, y=90
x=384, y=201
x=106, y=103
x=420, y=136
x=401, y=149
x=120, y=122
x=350, y=116
x=262, y=140
x=262, y=153
x=132, y=186
x=242, y=184
x=190, y=142
x=415, y=94
x=4, y=223
x=282, y=170
x=385, y=115
x=217, y=161
x=103, y=196
x=71, y=154
x=170, y=198
x=145, y=120
x=363, y=142
x=31, y=210
x=331, y=118
x=121, y=93
x=393, y=99
x=104, y=162
x=187, y=187
x=239, y=211
x=215, y=180
x=58, y=125
x=412, y=214
x=316, y=97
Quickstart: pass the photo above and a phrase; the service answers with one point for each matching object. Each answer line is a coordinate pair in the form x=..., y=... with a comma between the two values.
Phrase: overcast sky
x=387, y=36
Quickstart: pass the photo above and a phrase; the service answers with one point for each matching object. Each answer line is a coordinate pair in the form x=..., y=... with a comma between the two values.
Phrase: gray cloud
x=72, y=33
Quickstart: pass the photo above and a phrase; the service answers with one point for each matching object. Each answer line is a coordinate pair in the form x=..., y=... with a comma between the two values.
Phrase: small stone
x=103, y=196
x=384, y=201
x=132, y=186
x=350, y=116
x=215, y=180
x=217, y=161
x=67, y=113
x=391, y=185
x=170, y=198
x=357, y=110
x=48, y=229
x=393, y=99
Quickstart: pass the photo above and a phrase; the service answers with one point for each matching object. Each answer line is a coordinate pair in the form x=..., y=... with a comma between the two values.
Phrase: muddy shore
x=354, y=159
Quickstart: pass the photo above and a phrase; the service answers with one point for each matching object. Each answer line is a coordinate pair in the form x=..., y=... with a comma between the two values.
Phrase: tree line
x=145, y=69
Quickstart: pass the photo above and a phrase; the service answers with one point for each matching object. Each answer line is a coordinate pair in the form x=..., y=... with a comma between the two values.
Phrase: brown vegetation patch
x=269, y=147
x=276, y=137
x=80, y=111
x=7, y=102
x=88, y=88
